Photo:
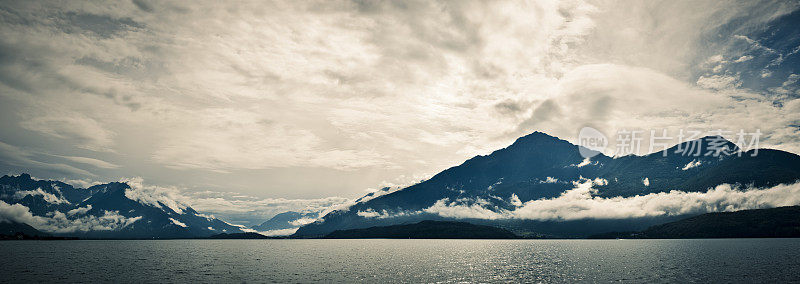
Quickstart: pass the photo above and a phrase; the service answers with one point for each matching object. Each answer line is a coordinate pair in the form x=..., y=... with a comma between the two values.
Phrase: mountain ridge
x=779, y=222
x=539, y=166
x=103, y=211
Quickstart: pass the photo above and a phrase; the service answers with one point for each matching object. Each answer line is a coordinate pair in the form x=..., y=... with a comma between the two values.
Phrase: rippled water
x=728, y=260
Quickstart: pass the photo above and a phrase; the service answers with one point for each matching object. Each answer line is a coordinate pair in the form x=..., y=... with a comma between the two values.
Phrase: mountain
x=112, y=210
x=539, y=166
x=425, y=230
x=9, y=228
x=781, y=222
x=239, y=236
x=287, y=220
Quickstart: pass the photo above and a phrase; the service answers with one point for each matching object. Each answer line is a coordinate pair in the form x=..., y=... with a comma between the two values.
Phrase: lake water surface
x=376, y=261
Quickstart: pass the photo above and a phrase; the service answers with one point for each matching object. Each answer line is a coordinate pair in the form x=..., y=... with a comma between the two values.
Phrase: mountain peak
x=704, y=145
x=22, y=176
x=538, y=137
x=537, y=134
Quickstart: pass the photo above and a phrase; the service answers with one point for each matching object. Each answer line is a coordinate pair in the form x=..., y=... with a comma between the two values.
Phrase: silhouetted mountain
x=9, y=228
x=248, y=235
x=425, y=230
x=286, y=220
x=540, y=166
x=21, y=231
x=782, y=222
x=112, y=210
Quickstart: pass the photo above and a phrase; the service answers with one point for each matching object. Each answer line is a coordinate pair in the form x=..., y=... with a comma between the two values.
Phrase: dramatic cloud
x=155, y=196
x=312, y=99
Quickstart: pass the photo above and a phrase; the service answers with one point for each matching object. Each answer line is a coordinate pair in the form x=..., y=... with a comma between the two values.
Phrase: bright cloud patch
x=282, y=232
x=79, y=210
x=302, y=221
x=154, y=195
x=692, y=164
x=178, y=223
x=384, y=214
x=550, y=180
x=48, y=197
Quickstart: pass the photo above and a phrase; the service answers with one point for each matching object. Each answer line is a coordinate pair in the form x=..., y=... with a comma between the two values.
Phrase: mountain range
x=541, y=167
x=533, y=188
x=112, y=210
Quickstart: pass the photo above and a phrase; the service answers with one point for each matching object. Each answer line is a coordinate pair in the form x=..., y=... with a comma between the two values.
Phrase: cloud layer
x=59, y=222
x=580, y=203
x=256, y=97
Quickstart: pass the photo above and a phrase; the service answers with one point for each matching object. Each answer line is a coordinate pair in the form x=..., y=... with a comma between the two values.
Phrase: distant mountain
x=539, y=166
x=8, y=228
x=112, y=210
x=238, y=236
x=782, y=222
x=425, y=230
x=287, y=220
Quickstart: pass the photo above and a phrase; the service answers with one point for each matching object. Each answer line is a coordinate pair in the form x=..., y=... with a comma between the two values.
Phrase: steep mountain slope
x=112, y=210
x=539, y=166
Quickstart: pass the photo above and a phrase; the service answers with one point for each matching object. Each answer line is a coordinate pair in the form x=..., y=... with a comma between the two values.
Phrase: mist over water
x=381, y=261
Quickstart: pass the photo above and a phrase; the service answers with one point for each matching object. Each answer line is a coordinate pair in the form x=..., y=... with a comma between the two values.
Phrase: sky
x=257, y=107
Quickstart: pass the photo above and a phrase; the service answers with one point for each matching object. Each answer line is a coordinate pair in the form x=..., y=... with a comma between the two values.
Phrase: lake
x=378, y=260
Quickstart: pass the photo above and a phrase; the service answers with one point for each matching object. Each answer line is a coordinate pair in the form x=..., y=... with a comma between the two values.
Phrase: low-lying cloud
x=251, y=210
x=581, y=203
x=58, y=222
x=48, y=197
x=154, y=195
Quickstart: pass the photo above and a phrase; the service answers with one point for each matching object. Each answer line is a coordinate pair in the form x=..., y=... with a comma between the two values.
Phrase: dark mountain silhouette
x=106, y=211
x=238, y=236
x=781, y=222
x=540, y=166
x=9, y=228
x=425, y=230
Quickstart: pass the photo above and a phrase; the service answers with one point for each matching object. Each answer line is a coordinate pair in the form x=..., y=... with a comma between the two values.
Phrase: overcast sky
x=325, y=100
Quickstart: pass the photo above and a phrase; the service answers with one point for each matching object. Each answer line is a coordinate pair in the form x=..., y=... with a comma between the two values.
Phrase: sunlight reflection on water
x=726, y=260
